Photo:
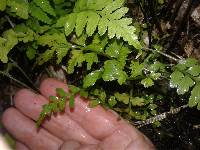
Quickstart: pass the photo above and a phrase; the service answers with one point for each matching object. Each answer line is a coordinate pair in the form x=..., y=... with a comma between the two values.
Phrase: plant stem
x=160, y=117
x=17, y=81
x=164, y=54
x=21, y=70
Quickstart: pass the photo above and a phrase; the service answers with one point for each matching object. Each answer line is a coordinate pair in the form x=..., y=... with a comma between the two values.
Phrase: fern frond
x=118, y=51
x=44, y=57
x=185, y=77
x=8, y=41
x=24, y=33
x=20, y=7
x=113, y=70
x=57, y=44
x=104, y=15
x=3, y=4
x=37, y=12
x=91, y=78
x=90, y=58
x=45, y=6
x=78, y=57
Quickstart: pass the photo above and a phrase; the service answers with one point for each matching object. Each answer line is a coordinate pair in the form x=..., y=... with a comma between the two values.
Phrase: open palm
x=83, y=128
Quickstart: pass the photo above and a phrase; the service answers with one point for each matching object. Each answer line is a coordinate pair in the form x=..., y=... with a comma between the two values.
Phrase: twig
x=164, y=54
x=11, y=23
x=160, y=117
x=17, y=81
x=21, y=70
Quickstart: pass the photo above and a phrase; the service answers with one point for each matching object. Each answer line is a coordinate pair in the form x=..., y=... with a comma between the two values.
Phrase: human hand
x=83, y=128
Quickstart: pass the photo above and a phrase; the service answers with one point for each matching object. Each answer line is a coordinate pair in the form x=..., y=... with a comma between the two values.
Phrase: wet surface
x=177, y=132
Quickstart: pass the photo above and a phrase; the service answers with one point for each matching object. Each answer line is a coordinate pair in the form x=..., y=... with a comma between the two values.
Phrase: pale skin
x=84, y=128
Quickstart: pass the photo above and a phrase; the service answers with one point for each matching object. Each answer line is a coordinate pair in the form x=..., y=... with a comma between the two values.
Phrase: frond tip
x=106, y=18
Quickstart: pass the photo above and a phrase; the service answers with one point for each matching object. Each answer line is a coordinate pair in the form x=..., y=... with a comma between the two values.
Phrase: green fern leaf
x=194, y=70
x=124, y=97
x=30, y=53
x=52, y=39
x=157, y=66
x=105, y=17
x=90, y=58
x=46, y=39
x=46, y=111
x=176, y=77
x=181, y=82
x=44, y=57
x=122, y=57
x=195, y=97
x=20, y=7
x=80, y=4
x=184, y=85
x=99, y=94
x=91, y=78
x=114, y=5
x=118, y=51
x=70, y=23
x=76, y=60
x=37, y=12
x=24, y=33
x=8, y=41
x=112, y=101
x=45, y=6
x=147, y=82
x=97, y=44
x=36, y=27
x=113, y=50
x=136, y=68
x=137, y=101
x=81, y=22
x=92, y=22
x=94, y=103
x=186, y=76
x=103, y=26
x=97, y=4
x=118, y=14
x=114, y=71
x=3, y=4
x=190, y=62
x=57, y=44
x=3, y=50
x=55, y=105
x=61, y=21
x=61, y=52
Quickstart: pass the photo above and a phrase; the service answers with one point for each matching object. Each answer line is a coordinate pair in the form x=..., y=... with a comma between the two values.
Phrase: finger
x=60, y=125
x=99, y=122
x=24, y=130
x=70, y=145
x=73, y=145
x=125, y=137
x=141, y=144
x=20, y=146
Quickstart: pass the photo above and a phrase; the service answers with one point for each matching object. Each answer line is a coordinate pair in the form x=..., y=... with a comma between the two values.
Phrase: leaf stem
x=162, y=53
x=19, y=82
x=21, y=70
